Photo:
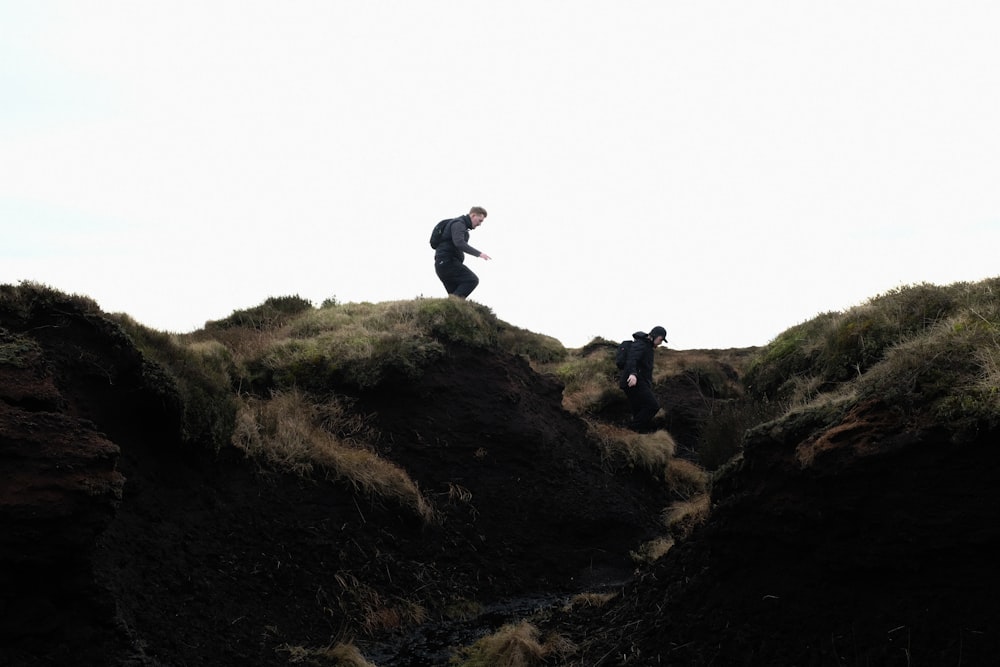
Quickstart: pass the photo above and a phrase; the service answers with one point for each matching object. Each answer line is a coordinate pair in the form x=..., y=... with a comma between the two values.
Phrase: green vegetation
x=590, y=379
x=17, y=350
x=363, y=345
x=922, y=349
x=265, y=378
x=199, y=375
x=273, y=313
x=26, y=299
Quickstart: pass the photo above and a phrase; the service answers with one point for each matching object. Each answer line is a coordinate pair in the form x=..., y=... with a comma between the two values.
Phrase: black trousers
x=457, y=278
x=644, y=406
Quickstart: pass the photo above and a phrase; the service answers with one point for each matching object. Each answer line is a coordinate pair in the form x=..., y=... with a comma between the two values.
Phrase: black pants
x=457, y=278
x=644, y=406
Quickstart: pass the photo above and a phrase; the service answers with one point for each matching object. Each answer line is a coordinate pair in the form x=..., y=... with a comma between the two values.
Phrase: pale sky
x=725, y=169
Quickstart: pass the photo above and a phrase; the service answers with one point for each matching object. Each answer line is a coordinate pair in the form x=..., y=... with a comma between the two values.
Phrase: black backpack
x=621, y=356
x=438, y=233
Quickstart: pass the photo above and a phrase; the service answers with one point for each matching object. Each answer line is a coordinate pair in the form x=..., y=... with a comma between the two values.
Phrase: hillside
x=133, y=533
x=384, y=484
x=861, y=527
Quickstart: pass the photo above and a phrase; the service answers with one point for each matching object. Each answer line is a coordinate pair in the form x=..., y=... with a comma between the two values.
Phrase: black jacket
x=640, y=360
x=455, y=243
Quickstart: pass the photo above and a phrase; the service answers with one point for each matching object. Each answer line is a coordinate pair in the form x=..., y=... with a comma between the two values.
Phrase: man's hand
x=632, y=380
x=483, y=255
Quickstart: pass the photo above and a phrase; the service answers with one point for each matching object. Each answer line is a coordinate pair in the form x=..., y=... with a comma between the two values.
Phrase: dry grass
x=589, y=377
x=587, y=394
x=589, y=600
x=686, y=478
x=513, y=646
x=291, y=433
x=376, y=613
x=338, y=655
x=682, y=517
x=652, y=551
x=651, y=451
x=243, y=343
x=394, y=616
x=988, y=358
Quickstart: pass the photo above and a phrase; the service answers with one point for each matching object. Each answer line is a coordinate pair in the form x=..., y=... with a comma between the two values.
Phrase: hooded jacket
x=640, y=360
x=455, y=243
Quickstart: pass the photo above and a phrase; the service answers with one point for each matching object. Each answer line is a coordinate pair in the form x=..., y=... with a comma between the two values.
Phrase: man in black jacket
x=449, y=258
x=637, y=377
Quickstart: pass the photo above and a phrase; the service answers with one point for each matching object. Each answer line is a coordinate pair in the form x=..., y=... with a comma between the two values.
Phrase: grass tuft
x=290, y=432
x=514, y=645
x=588, y=600
x=649, y=451
x=931, y=351
x=337, y=655
x=684, y=516
x=650, y=552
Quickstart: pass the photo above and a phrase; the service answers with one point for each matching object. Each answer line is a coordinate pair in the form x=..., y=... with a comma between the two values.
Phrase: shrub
x=792, y=353
x=18, y=351
x=721, y=435
x=537, y=348
x=201, y=373
x=275, y=312
x=836, y=348
x=27, y=298
x=458, y=321
x=948, y=374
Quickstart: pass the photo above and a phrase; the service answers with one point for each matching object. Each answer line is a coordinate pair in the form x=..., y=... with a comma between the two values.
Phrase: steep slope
x=161, y=553
x=65, y=376
x=861, y=537
x=541, y=499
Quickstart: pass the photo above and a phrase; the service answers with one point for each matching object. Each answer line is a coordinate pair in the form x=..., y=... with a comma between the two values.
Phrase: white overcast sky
x=725, y=169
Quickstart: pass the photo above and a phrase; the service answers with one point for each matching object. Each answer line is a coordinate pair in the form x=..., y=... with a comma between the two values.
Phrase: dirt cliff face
x=121, y=546
x=868, y=540
x=60, y=484
x=543, y=503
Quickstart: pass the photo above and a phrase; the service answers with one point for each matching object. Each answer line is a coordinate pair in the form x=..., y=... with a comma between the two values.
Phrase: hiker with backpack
x=450, y=240
x=635, y=359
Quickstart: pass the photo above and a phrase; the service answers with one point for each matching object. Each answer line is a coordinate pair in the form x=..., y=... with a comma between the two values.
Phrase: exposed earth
x=871, y=541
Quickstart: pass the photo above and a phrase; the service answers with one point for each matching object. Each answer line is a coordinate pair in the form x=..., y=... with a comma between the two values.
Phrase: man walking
x=636, y=378
x=449, y=258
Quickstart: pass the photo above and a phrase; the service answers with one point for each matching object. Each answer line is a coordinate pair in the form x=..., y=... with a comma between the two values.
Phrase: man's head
x=658, y=335
x=477, y=214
